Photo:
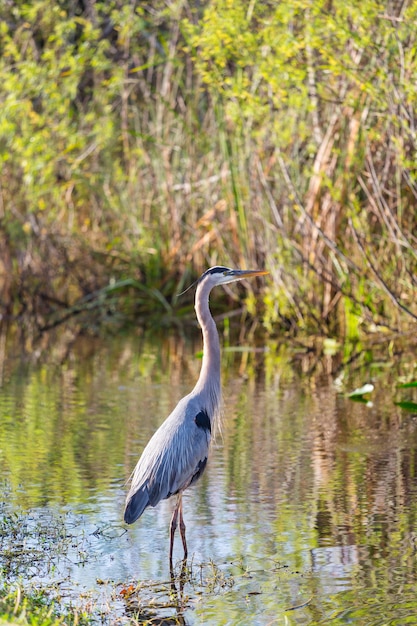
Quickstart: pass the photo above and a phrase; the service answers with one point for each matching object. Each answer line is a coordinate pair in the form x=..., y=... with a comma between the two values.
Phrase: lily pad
x=407, y=406
x=408, y=385
x=361, y=391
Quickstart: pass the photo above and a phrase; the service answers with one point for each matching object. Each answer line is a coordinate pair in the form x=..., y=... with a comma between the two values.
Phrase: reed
x=145, y=143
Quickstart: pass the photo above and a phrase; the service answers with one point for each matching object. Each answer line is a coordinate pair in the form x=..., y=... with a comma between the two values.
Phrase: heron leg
x=173, y=528
x=182, y=530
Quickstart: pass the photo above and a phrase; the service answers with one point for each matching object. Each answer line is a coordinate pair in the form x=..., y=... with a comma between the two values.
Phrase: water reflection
x=308, y=508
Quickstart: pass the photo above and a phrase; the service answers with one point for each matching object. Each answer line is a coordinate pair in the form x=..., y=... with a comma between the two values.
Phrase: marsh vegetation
x=141, y=143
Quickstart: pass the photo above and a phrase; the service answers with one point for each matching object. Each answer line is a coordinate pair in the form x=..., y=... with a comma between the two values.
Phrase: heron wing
x=174, y=458
x=136, y=504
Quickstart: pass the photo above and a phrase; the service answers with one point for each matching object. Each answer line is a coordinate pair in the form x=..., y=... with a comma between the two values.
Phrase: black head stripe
x=219, y=269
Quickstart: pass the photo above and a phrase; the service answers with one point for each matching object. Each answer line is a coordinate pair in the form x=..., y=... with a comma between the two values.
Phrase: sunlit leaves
x=132, y=123
x=49, y=133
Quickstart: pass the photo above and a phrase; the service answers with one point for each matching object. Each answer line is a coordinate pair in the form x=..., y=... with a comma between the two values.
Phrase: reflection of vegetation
x=337, y=479
x=65, y=434
x=315, y=494
x=139, y=140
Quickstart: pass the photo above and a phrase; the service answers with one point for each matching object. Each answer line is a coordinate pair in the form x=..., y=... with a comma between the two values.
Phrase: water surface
x=306, y=513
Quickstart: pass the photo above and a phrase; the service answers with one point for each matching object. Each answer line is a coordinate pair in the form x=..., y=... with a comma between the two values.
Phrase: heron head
x=220, y=275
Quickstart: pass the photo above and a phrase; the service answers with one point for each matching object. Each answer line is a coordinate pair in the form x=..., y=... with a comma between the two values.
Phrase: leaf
x=254, y=593
x=367, y=388
x=127, y=591
x=408, y=385
x=330, y=346
x=407, y=406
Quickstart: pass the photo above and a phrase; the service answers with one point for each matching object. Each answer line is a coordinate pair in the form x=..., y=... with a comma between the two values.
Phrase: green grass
x=34, y=609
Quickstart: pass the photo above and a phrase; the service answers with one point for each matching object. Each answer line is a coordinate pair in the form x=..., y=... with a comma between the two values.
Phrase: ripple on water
x=306, y=514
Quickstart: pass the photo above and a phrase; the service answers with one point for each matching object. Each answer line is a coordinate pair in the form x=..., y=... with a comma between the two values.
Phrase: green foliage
x=45, y=132
x=35, y=609
x=137, y=143
x=316, y=89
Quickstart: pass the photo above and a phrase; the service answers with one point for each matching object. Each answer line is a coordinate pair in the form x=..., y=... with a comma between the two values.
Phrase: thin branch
x=394, y=299
x=331, y=244
x=264, y=183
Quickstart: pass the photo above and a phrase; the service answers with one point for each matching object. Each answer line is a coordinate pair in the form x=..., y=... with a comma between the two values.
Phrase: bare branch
x=392, y=296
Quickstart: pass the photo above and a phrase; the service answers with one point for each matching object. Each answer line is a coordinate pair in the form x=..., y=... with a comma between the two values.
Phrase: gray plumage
x=177, y=453
x=165, y=470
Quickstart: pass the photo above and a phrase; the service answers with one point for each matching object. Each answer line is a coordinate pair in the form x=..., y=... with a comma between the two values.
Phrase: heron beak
x=240, y=274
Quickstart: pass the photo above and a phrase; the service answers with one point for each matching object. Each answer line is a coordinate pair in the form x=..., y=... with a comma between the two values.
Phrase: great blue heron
x=176, y=455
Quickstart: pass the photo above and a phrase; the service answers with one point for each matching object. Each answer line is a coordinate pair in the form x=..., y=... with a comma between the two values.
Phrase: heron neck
x=209, y=378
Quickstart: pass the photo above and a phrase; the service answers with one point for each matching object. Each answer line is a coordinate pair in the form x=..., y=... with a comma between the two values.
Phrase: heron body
x=177, y=453
x=165, y=471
